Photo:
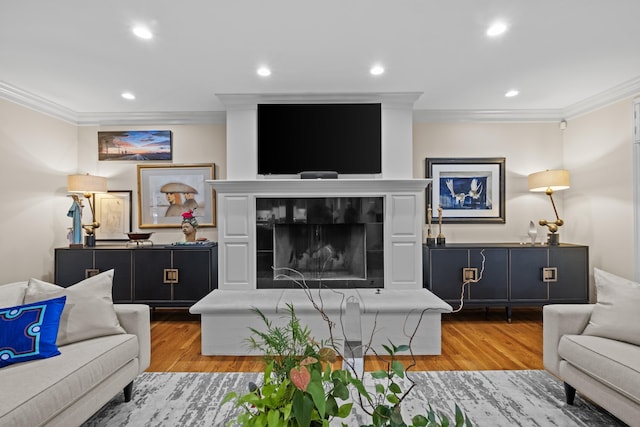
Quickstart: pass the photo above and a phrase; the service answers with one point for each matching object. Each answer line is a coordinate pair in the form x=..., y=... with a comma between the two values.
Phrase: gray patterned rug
x=489, y=398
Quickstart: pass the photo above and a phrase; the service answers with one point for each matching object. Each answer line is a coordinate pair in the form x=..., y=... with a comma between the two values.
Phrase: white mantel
x=236, y=213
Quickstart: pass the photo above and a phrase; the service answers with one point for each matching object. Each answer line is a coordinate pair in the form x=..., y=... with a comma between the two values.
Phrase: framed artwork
x=138, y=145
x=166, y=191
x=113, y=212
x=469, y=190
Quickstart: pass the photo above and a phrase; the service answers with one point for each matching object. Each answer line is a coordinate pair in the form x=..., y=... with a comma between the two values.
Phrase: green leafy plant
x=301, y=388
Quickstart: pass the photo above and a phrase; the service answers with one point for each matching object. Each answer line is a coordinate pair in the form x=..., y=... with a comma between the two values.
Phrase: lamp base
x=553, y=239
x=431, y=241
x=90, y=240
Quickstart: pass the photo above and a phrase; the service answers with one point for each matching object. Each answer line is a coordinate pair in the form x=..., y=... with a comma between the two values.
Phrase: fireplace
x=334, y=242
x=389, y=213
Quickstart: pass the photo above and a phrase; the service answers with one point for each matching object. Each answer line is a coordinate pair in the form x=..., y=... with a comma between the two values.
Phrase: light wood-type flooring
x=473, y=339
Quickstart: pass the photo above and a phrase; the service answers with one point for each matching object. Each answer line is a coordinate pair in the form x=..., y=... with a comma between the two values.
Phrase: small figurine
x=189, y=226
x=441, y=239
x=431, y=241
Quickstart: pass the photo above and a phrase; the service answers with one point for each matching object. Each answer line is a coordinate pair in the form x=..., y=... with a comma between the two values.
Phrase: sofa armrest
x=559, y=320
x=136, y=319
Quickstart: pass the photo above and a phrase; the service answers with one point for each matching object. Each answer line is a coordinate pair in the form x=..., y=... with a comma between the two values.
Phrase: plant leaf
x=340, y=390
x=345, y=410
x=317, y=394
x=300, y=377
x=402, y=347
x=392, y=398
x=379, y=374
x=398, y=368
x=229, y=397
x=379, y=388
x=395, y=388
x=419, y=421
x=273, y=417
x=302, y=407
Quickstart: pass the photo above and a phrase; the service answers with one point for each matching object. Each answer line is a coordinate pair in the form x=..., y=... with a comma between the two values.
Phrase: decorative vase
x=533, y=233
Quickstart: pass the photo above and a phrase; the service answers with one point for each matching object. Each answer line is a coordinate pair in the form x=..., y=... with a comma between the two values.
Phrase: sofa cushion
x=614, y=363
x=12, y=294
x=616, y=314
x=49, y=386
x=29, y=332
x=89, y=311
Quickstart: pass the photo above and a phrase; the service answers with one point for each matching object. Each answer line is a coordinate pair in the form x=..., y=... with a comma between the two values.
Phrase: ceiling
x=74, y=58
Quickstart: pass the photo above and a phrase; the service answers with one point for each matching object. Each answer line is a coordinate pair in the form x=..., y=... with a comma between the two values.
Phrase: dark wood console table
x=514, y=274
x=160, y=276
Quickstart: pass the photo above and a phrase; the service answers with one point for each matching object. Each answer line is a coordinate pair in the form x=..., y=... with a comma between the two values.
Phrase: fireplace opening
x=334, y=242
x=320, y=251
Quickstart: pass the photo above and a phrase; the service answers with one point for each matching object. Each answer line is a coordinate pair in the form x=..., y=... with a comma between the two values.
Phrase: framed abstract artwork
x=166, y=191
x=469, y=190
x=113, y=212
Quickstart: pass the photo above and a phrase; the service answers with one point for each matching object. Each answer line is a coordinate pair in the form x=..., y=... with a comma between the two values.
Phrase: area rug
x=489, y=398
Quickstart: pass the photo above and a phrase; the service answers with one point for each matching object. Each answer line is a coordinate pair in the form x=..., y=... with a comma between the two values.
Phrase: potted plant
x=302, y=387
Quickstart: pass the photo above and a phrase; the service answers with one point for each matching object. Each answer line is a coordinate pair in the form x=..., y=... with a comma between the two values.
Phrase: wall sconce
x=87, y=185
x=550, y=181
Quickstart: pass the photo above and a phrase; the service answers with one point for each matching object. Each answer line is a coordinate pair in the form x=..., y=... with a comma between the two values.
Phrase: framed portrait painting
x=469, y=190
x=166, y=191
x=113, y=212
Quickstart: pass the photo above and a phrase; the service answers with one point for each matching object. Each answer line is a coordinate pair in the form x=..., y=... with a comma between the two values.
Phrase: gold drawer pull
x=469, y=274
x=170, y=275
x=550, y=274
x=90, y=272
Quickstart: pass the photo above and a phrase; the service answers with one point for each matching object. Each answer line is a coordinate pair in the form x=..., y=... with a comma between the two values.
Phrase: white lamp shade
x=554, y=179
x=86, y=184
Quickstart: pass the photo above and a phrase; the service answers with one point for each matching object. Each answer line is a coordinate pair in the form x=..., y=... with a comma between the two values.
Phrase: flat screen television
x=342, y=138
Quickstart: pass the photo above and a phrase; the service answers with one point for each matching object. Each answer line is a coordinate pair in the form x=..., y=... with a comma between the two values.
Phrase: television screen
x=342, y=138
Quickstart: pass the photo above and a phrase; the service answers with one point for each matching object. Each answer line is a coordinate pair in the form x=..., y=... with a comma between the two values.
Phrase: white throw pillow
x=89, y=311
x=616, y=314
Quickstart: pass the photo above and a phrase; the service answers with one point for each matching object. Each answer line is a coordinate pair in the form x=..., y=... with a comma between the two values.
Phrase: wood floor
x=471, y=340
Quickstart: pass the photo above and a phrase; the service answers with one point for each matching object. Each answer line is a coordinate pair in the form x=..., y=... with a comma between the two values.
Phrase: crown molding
x=242, y=101
x=37, y=103
x=628, y=89
x=152, y=118
x=34, y=102
x=426, y=116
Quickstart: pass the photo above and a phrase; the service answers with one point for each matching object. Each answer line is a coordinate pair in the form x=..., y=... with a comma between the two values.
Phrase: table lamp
x=88, y=186
x=550, y=181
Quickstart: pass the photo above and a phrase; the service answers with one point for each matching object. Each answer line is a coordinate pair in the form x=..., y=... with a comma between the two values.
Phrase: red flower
x=187, y=215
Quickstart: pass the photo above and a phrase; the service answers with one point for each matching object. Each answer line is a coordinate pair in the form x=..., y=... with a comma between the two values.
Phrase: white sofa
x=67, y=389
x=593, y=348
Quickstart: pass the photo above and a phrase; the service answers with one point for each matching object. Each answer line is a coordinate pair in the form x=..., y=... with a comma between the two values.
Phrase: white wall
x=191, y=144
x=37, y=154
x=527, y=147
x=598, y=150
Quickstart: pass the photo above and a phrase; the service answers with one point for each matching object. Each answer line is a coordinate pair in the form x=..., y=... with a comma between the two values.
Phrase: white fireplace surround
x=236, y=212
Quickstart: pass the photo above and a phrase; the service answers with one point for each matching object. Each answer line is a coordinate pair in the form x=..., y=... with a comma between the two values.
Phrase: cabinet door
x=445, y=269
x=121, y=262
x=572, y=279
x=493, y=285
x=525, y=270
x=149, y=271
x=71, y=265
x=194, y=274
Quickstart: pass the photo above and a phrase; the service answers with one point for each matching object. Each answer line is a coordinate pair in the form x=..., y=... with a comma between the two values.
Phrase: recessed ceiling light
x=143, y=32
x=376, y=70
x=511, y=93
x=128, y=95
x=264, y=71
x=496, y=29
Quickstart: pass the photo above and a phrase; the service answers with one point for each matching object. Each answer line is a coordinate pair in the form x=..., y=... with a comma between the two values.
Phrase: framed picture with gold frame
x=166, y=191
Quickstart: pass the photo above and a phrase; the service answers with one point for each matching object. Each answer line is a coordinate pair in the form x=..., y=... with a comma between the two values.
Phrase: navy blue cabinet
x=507, y=274
x=160, y=276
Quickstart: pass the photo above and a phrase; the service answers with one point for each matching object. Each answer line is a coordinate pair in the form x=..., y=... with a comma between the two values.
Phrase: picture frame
x=138, y=145
x=469, y=190
x=113, y=212
x=166, y=191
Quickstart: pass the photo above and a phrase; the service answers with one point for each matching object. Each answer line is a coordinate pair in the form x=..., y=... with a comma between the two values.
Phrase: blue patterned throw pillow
x=29, y=331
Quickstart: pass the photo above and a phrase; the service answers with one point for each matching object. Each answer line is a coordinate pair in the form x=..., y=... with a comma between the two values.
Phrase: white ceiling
x=75, y=57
